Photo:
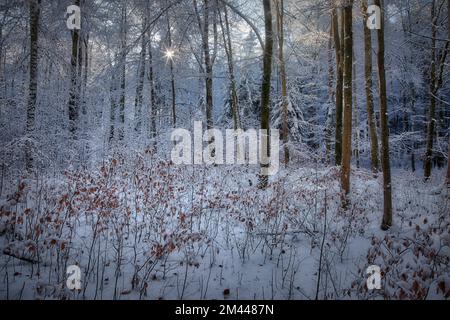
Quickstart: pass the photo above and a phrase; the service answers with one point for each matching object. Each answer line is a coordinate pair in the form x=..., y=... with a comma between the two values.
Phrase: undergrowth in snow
x=146, y=229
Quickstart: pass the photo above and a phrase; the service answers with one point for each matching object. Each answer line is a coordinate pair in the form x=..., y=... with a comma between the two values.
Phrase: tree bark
x=448, y=159
x=123, y=62
x=74, y=92
x=172, y=75
x=265, y=88
x=153, y=106
x=284, y=90
x=368, y=88
x=348, y=99
x=357, y=133
x=229, y=53
x=331, y=97
x=113, y=102
x=208, y=67
x=86, y=74
x=339, y=85
x=432, y=108
x=385, y=162
x=140, y=83
x=32, y=87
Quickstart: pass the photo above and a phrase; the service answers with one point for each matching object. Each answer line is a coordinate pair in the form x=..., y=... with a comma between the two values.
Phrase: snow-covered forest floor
x=147, y=229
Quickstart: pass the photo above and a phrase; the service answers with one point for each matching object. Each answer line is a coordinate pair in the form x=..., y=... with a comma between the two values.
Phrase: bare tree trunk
x=172, y=75
x=284, y=90
x=229, y=53
x=153, y=107
x=112, y=116
x=265, y=88
x=331, y=97
x=431, y=114
x=123, y=62
x=339, y=83
x=140, y=83
x=348, y=99
x=385, y=162
x=448, y=159
x=86, y=74
x=357, y=133
x=369, y=94
x=32, y=91
x=438, y=58
x=74, y=93
x=208, y=67
x=2, y=75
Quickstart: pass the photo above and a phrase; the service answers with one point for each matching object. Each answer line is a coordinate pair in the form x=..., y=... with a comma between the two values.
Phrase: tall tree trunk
x=208, y=67
x=172, y=74
x=448, y=159
x=229, y=52
x=140, y=83
x=348, y=99
x=153, y=106
x=32, y=87
x=265, y=89
x=385, y=163
x=284, y=90
x=368, y=88
x=74, y=92
x=331, y=96
x=357, y=132
x=2, y=75
x=123, y=66
x=86, y=74
x=432, y=109
x=113, y=101
x=338, y=46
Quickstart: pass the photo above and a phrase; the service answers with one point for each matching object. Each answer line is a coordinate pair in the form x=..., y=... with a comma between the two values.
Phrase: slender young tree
x=348, y=98
x=355, y=112
x=279, y=5
x=35, y=9
x=448, y=40
x=2, y=74
x=74, y=91
x=265, y=88
x=331, y=96
x=85, y=75
x=123, y=69
x=140, y=82
x=208, y=61
x=338, y=46
x=368, y=89
x=438, y=57
x=153, y=108
x=113, y=104
x=432, y=108
x=229, y=53
x=172, y=74
x=385, y=162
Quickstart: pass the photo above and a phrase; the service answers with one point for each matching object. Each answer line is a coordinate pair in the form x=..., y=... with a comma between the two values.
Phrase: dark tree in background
x=32, y=86
x=385, y=162
x=348, y=97
x=265, y=88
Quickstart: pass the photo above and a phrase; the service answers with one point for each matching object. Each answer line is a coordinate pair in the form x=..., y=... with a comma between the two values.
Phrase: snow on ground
x=158, y=231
